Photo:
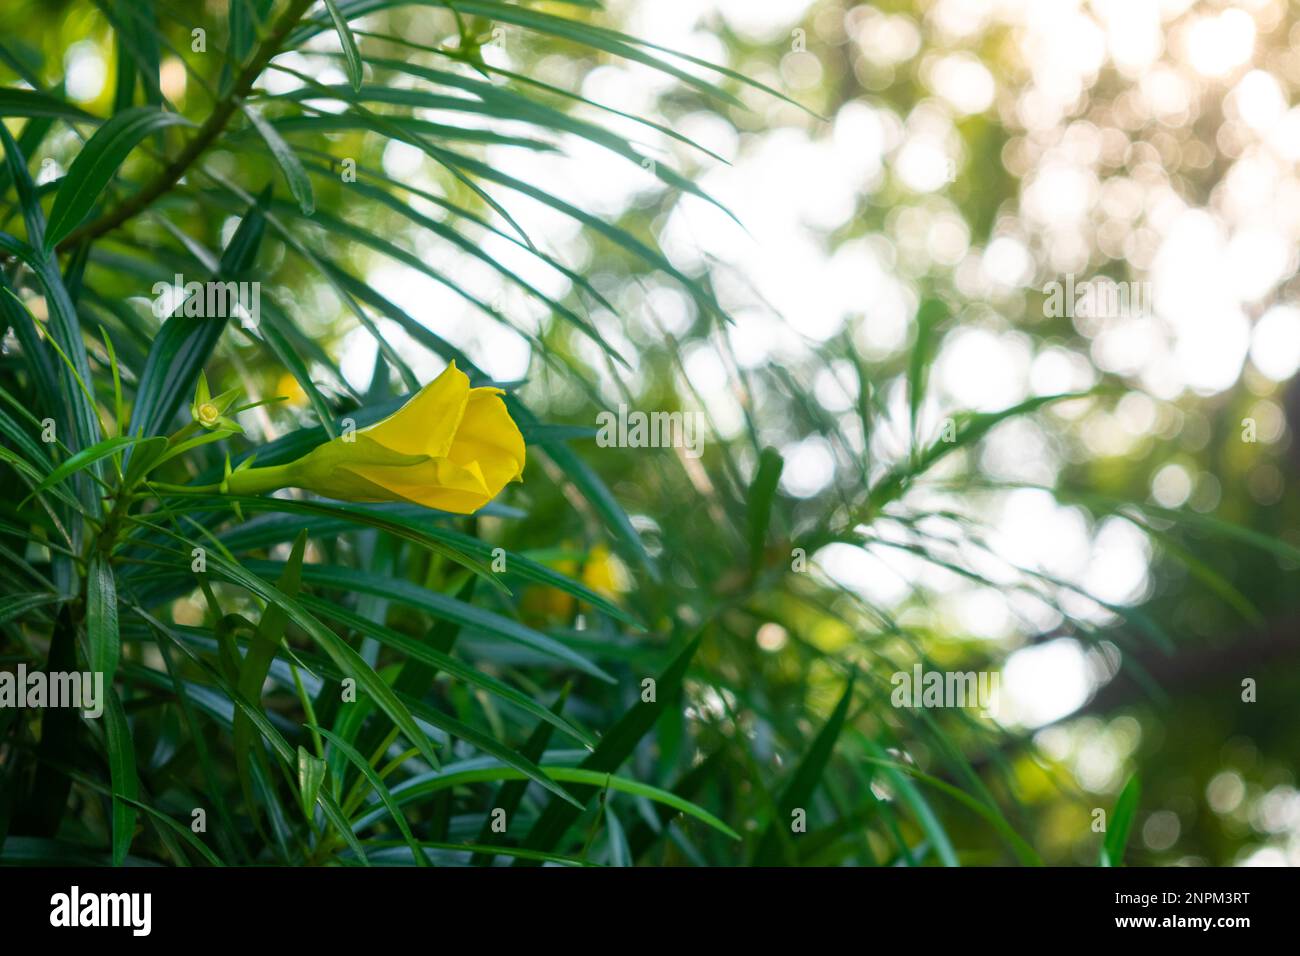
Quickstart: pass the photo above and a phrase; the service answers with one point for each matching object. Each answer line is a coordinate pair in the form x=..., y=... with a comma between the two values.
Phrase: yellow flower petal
x=438, y=483
x=427, y=424
x=489, y=437
x=451, y=447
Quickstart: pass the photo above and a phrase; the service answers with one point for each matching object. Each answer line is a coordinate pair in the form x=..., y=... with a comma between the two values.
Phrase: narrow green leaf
x=437, y=659
x=311, y=774
x=184, y=832
x=434, y=539
x=290, y=165
x=644, y=835
x=377, y=783
x=101, y=617
x=762, y=492
x=84, y=459
x=261, y=651
x=16, y=605
x=928, y=317
x=614, y=748
x=13, y=315
x=489, y=745
x=511, y=793
x=925, y=815
x=970, y=428
x=441, y=606
x=597, y=493
x=589, y=780
x=1121, y=822
x=16, y=164
x=1023, y=850
x=344, y=657
x=350, y=51
x=183, y=345
x=329, y=806
x=19, y=102
x=98, y=162
x=121, y=765
x=798, y=792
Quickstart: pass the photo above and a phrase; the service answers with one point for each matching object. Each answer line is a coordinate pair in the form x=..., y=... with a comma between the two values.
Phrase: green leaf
x=463, y=549
x=182, y=346
x=432, y=656
x=421, y=533
x=440, y=606
x=311, y=774
x=15, y=316
x=1017, y=843
x=278, y=342
x=84, y=459
x=480, y=848
x=290, y=165
x=589, y=780
x=121, y=764
x=489, y=745
x=241, y=33
x=16, y=605
x=925, y=814
x=511, y=793
x=349, y=42
x=381, y=788
x=29, y=140
x=1121, y=822
x=503, y=103
x=970, y=428
x=16, y=164
x=65, y=328
x=261, y=651
x=101, y=617
x=928, y=317
x=147, y=455
x=19, y=102
x=329, y=806
x=597, y=493
x=98, y=162
x=762, y=492
x=344, y=657
x=184, y=832
x=643, y=836
x=341, y=227
x=798, y=792
x=614, y=748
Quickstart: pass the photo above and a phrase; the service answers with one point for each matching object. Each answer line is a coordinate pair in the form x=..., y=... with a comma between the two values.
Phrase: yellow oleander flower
x=451, y=447
x=601, y=571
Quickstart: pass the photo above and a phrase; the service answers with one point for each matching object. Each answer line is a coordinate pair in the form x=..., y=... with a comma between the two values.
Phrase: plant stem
x=212, y=128
x=184, y=489
x=254, y=481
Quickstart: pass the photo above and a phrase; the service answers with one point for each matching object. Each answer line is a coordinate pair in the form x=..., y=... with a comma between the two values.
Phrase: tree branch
x=212, y=128
x=1189, y=670
x=1221, y=666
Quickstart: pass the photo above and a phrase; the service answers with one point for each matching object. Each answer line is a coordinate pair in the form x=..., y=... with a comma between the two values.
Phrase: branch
x=1220, y=666
x=212, y=128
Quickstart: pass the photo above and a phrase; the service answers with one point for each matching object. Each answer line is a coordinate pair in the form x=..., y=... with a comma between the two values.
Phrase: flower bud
x=450, y=447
